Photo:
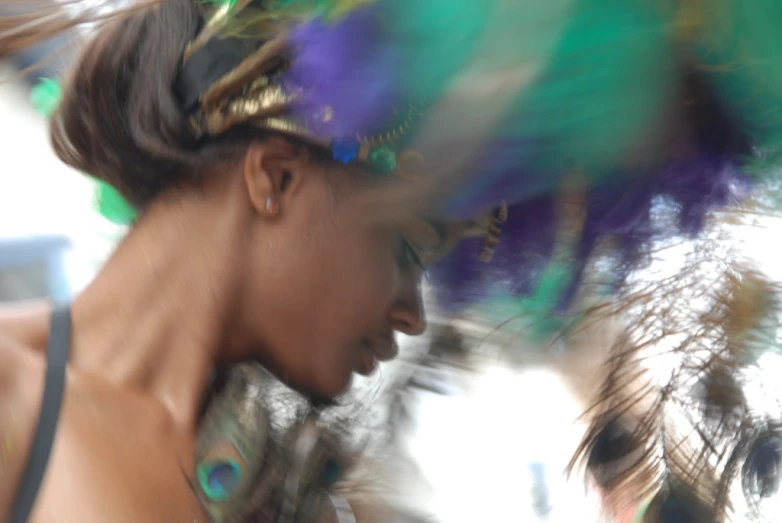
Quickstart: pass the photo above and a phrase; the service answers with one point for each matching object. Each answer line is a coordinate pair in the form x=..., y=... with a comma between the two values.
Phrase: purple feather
x=346, y=74
x=526, y=247
x=700, y=186
x=504, y=177
x=621, y=205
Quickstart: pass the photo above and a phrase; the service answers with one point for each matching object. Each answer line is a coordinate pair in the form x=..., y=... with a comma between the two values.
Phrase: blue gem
x=219, y=479
x=345, y=151
x=332, y=472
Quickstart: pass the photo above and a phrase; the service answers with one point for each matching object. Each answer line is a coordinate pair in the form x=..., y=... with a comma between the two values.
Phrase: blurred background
x=51, y=238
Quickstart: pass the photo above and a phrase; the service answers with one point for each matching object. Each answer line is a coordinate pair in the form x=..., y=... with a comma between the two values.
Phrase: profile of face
x=324, y=284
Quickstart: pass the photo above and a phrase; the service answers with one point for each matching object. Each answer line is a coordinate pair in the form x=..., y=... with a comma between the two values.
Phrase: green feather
x=437, y=37
x=219, y=3
x=112, y=206
x=602, y=89
x=739, y=50
x=586, y=80
x=45, y=97
x=534, y=312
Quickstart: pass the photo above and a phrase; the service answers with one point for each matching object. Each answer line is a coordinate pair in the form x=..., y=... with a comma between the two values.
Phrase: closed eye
x=411, y=254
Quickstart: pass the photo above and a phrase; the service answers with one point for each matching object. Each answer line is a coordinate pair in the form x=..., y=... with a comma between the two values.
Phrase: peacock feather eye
x=219, y=479
x=675, y=510
x=763, y=466
x=332, y=472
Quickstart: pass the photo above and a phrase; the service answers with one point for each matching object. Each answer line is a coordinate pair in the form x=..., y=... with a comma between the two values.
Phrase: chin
x=326, y=389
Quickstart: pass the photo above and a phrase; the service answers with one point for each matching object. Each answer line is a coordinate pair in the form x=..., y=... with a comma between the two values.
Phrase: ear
x=272, y=169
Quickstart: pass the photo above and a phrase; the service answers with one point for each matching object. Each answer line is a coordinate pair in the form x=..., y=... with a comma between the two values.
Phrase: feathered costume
x=572, y=134
x=625, y=107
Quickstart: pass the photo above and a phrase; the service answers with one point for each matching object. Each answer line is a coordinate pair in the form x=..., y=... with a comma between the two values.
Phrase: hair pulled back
x=119, y=120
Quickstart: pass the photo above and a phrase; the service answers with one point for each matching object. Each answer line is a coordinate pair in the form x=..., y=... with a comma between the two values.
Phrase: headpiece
x=580, y=146
x=594, y=126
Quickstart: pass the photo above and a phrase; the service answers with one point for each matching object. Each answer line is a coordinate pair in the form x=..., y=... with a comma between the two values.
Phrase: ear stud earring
x=272, y=207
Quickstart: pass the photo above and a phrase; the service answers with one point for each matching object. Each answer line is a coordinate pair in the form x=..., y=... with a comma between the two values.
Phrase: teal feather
x=46, y=96
x=602, y=89
x=437, y=38
x=584, y=83
x=233, y=442
x=738, y=48
x=534, y=312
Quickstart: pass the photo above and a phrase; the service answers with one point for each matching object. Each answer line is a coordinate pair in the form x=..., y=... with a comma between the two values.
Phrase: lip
x=383, y=347
x=367, y=361
x=374, y=350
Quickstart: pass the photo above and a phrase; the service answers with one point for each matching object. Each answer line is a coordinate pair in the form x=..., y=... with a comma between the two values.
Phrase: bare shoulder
x=21, y=373
x=26, y=323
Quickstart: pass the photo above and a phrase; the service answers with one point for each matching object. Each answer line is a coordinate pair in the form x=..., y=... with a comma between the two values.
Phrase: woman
x=252, y=245
x=216, y=128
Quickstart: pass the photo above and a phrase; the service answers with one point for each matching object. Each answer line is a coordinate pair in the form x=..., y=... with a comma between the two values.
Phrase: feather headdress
x=640, y=106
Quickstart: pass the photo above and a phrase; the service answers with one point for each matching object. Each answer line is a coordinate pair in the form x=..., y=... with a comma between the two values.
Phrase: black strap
x=217, y=58
x=56, y=361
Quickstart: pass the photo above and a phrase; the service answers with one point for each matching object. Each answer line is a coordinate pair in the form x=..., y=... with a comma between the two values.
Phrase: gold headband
x=250, y=93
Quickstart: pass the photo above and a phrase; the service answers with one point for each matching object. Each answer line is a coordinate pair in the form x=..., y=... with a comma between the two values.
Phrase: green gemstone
x=382, y=159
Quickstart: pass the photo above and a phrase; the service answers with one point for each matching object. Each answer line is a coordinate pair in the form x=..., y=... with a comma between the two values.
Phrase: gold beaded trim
x=493, y=233
x=258, y=100
x=413, y=114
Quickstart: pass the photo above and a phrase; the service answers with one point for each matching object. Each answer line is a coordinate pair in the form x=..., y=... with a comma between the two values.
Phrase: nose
x=407, y=315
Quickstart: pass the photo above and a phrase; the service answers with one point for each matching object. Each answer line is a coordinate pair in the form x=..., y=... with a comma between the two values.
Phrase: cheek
x=337, y=289
x=357, y=283
x=381, y=271
x=368, y=276
x=362, y=284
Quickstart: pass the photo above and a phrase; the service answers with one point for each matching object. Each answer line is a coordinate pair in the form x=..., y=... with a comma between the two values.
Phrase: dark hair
x=119, y=119
x=26, y=24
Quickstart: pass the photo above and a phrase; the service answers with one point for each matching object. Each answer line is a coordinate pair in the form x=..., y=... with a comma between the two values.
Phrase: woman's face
x=326, y=284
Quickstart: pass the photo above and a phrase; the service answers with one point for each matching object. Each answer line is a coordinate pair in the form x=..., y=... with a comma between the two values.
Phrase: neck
x=154, y=319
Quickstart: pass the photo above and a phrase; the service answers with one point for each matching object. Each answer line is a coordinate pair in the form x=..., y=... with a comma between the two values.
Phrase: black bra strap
x=54, y=387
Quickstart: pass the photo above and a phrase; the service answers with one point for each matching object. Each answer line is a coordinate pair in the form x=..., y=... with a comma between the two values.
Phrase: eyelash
x=409, y=255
